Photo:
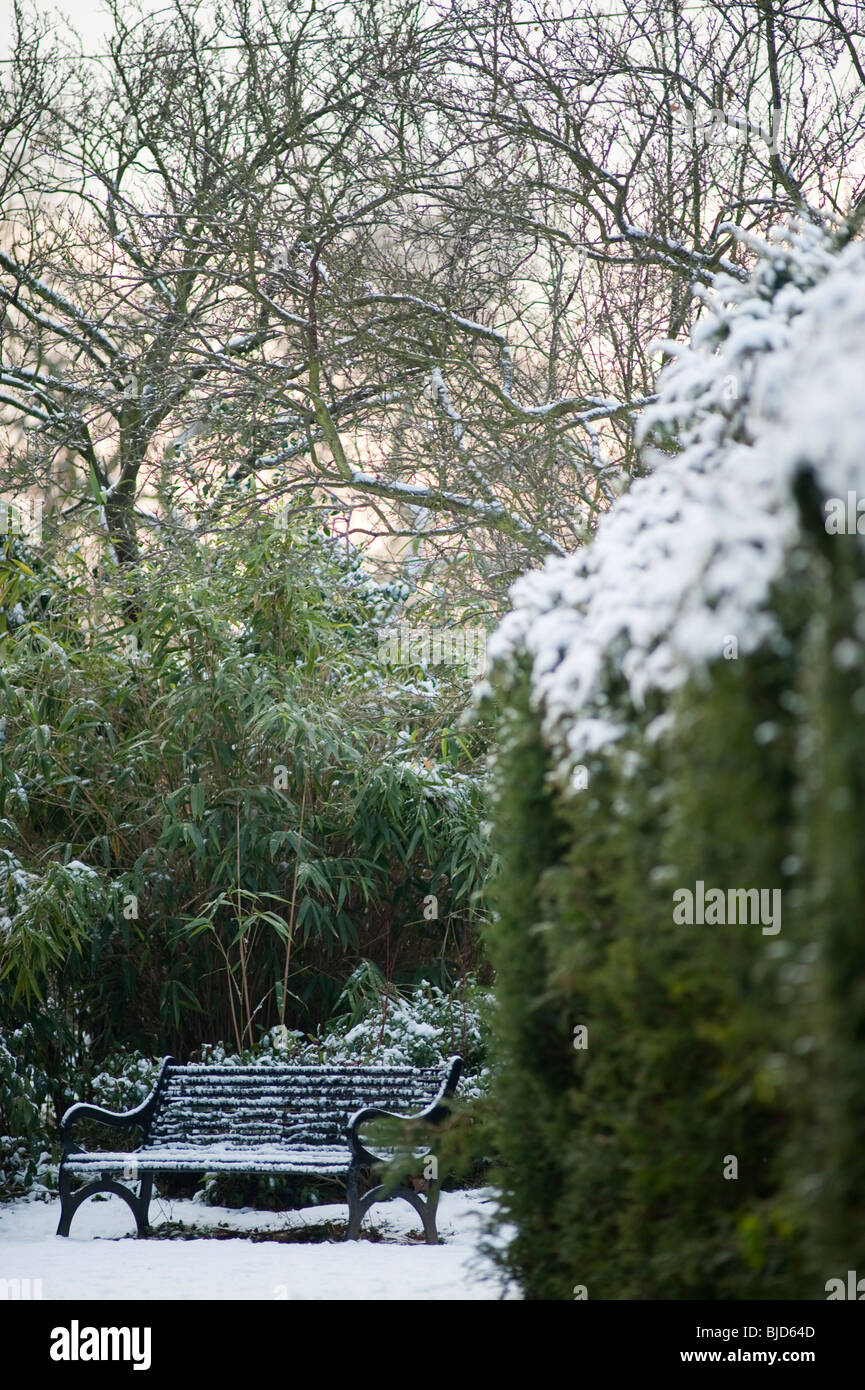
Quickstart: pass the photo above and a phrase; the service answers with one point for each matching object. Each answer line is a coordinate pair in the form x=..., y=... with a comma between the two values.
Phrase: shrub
x=684, y=702
x=214, y=815
x=25, y=1166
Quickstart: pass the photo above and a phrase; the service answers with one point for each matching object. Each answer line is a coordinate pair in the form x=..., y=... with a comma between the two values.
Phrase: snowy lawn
x=101, y=1259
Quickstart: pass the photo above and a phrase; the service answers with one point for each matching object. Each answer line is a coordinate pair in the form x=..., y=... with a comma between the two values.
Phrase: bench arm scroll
x=433, y=1114
x=85, y=1110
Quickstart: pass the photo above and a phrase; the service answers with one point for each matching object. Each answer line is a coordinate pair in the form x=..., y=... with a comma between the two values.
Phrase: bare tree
x=405, y=264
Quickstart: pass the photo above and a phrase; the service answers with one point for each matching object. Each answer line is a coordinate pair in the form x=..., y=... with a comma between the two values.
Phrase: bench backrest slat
x=305, y=1106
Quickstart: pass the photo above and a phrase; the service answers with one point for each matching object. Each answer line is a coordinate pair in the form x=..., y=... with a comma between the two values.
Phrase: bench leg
x=67, y=1210
x=356, y=1210
x=71, y=1200
x=142, y=1204
x=359, y=1206
x=428, y=1215
x=425, y=1208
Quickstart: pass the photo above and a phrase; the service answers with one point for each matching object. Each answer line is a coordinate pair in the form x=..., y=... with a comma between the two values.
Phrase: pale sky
x=88, y=17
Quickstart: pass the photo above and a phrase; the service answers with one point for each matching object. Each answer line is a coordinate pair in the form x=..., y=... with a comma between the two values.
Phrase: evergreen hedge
x=705, y=1043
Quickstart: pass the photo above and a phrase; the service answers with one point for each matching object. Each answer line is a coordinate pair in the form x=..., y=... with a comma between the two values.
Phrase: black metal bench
x=260, y=1119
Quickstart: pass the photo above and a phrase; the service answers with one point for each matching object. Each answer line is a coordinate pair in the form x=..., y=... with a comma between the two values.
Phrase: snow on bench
x=302, y=1120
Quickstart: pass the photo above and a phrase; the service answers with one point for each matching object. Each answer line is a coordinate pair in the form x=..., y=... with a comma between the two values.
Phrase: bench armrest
x=85, y=1110
x=433, y=1114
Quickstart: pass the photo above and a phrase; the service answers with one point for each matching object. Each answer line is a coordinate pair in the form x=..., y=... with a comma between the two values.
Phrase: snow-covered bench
x=259, y=1119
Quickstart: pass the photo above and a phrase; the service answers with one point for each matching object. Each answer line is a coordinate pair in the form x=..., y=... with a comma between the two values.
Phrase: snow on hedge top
x=773, y=378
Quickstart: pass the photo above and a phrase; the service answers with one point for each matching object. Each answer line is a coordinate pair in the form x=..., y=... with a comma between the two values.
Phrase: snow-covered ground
x=102, y=1260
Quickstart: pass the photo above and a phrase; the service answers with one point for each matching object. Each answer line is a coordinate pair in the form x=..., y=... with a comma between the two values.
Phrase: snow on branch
x=581, y=407
x=493, y=514
x=86, y=325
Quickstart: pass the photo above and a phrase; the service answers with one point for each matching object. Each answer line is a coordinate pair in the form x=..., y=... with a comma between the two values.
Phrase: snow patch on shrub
x=769, y=384
x=423, y=1029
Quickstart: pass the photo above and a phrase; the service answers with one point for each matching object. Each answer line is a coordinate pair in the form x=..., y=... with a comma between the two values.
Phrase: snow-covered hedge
x=681, y=570
x=682, y=1109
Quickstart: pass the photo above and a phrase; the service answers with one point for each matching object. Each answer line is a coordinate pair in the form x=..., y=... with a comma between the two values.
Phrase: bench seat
x=215, y=1158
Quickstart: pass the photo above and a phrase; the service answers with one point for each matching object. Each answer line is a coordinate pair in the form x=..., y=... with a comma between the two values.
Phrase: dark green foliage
x=703, y=1041
x=833, y=900
x=23, y=1091
x=214, y=819
x=532, y=1025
